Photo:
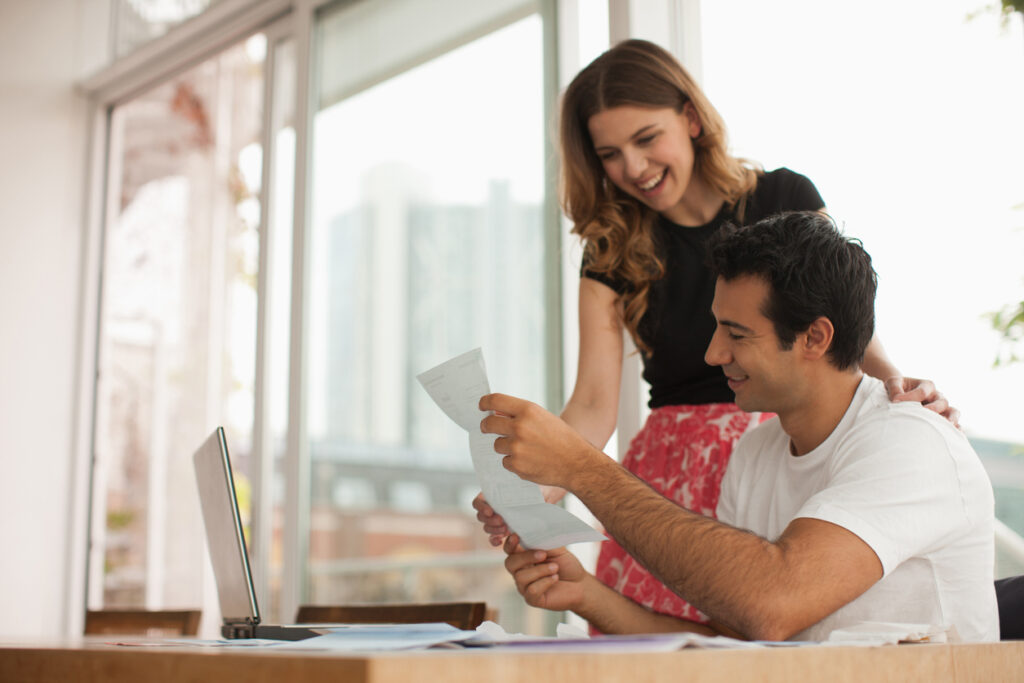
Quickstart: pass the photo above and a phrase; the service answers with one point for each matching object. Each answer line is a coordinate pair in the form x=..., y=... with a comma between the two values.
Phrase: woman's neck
x=698, y=206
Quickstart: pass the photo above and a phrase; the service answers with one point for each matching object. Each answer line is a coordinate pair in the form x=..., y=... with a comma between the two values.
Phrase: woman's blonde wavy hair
x=616, y=229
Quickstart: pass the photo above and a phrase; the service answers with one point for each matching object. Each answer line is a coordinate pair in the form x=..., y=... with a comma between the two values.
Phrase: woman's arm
x=877, y=364
x=593, y=408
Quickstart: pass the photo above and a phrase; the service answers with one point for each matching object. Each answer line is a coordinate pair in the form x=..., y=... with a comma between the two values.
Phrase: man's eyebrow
x=634, y=136
x=735, y=326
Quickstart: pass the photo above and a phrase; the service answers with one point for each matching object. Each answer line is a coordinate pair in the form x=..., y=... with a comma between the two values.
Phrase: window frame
x=195, y=40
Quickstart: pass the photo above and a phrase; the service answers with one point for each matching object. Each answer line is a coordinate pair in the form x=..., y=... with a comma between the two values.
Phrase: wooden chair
x=1010, y=599
x=463, y=615
x=153, y=624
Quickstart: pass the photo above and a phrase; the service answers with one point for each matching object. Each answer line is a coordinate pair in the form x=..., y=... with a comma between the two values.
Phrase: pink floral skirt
x=681, y=451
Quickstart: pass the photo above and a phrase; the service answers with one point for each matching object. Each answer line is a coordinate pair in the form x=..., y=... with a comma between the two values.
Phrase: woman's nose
x=636, y=164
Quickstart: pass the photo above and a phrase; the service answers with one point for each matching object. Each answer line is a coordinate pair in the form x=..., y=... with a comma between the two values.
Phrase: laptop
x=226, y=542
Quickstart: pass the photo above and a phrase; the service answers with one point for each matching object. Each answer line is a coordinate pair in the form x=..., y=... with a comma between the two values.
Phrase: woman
x=646, y=179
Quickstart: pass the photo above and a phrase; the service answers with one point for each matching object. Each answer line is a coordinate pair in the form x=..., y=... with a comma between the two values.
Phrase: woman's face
x=647, y=153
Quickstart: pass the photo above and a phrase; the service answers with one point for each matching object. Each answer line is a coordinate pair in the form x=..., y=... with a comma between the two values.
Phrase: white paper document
x=456, y=387
x=361, y=637
x=570, y=639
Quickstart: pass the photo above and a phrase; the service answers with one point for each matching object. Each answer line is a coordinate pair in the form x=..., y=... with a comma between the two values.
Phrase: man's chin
x=749, y=404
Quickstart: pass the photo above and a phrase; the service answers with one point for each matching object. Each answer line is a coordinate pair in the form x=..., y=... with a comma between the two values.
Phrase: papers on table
x=397, y=637
x=336, y=637
x=456, y=386
x=490, y=634
x=887, y=633
x=377, y=637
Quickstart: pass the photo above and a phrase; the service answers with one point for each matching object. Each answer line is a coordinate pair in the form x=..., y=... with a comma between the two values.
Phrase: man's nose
x=716, y=353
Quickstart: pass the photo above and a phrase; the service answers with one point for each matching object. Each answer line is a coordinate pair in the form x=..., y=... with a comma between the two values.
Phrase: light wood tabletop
x=88, y=660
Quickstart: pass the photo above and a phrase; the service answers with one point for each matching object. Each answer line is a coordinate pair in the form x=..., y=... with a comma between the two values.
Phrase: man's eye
x=733, y=335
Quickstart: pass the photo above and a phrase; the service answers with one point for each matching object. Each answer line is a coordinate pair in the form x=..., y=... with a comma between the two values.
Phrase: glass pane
x=907, y=117
x=177, y=322
x=136, y=22
x=426, y=242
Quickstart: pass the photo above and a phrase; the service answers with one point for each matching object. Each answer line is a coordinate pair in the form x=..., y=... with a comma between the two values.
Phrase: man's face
x=762, y=375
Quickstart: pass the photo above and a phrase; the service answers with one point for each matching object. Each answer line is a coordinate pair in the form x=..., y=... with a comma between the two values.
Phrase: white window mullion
x=262, y=469
x=297, y=487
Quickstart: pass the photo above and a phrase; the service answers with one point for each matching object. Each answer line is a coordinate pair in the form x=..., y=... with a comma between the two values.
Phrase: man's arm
x=760, y=589
x=555, y=580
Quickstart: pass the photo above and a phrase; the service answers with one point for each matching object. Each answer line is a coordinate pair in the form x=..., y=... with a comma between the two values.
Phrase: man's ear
x=818, y=338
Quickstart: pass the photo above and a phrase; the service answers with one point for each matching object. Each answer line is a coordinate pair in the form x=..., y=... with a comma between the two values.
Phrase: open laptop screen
x=224, y=536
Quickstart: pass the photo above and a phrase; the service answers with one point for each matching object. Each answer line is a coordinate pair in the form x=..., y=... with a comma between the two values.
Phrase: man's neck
x=820, y=410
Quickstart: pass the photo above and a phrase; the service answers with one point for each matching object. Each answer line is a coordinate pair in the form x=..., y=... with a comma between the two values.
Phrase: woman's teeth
x=652, y=183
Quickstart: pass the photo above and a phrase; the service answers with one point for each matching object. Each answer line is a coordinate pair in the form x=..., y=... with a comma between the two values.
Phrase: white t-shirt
x=908, y=484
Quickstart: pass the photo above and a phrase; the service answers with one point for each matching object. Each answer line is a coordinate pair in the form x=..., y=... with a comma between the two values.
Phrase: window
x=177, y=321
x=428, y=239
x=430, y=232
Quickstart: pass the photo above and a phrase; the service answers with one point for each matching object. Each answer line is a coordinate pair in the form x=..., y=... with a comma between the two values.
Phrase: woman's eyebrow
x=631, y=137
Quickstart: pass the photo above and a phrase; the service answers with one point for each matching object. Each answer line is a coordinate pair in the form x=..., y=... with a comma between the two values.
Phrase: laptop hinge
x=232, y=630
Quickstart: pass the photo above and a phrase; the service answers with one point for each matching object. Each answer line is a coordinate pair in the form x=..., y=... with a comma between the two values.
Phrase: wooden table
x=89, y=660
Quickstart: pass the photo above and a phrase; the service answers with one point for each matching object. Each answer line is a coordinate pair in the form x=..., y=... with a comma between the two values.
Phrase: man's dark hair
x=812, y=270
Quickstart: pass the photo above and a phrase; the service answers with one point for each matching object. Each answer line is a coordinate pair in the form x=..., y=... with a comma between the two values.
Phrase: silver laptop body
x=225, y=540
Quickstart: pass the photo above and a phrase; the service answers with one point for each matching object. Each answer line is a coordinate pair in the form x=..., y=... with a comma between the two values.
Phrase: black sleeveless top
x=678, y=324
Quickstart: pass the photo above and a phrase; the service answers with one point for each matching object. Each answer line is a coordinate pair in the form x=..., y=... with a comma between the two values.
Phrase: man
x=845, y=508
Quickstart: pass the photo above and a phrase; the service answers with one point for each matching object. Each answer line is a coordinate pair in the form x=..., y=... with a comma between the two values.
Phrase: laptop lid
x=225, y=538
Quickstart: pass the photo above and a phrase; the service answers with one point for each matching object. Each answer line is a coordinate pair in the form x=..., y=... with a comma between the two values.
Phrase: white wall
x=44, y=48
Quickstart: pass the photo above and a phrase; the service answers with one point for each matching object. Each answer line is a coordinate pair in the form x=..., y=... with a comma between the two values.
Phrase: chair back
x=1010, y=597
x=150, y=623
x=463, y=615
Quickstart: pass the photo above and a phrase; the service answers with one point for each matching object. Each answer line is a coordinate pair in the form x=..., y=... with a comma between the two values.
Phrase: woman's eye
x=646, y=140
x=606, y=156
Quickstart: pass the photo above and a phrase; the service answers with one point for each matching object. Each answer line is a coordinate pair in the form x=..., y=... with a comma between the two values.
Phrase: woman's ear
x=693, y=124
x=818, y=338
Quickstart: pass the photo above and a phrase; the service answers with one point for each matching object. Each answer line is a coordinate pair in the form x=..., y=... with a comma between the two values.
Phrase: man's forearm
x=765, y=590
x=723, y=571
x=611, y=612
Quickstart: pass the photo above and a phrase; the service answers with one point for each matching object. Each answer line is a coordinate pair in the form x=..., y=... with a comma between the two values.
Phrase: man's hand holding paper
x=457, y=386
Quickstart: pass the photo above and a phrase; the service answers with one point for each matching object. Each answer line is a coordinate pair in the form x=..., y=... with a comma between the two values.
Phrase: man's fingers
x=482, y=506
x=513, y=545
x=496, y=424
x=494, y=524
x=496, y=528
x=534, y=591
x=501, y=403
x=503, y=445
x=527, y=566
